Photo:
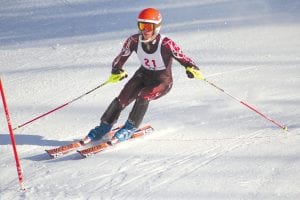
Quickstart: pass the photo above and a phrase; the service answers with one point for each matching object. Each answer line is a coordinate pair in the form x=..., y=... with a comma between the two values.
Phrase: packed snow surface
x=206, y=145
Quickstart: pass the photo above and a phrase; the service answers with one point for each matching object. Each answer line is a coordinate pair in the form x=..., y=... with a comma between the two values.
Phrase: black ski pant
x=143, y=87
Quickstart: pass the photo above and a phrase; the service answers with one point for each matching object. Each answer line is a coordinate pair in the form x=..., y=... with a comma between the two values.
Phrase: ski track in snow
x=180, y=166
x=205, y=145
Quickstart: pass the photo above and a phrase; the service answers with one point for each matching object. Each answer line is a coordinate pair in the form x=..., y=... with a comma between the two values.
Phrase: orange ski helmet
x=150, y=17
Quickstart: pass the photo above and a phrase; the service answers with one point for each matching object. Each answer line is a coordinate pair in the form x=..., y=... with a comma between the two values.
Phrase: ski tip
x=285, y=128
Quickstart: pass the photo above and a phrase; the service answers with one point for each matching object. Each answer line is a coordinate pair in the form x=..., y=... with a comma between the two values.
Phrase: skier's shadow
x=26, y=139
x=36, y=140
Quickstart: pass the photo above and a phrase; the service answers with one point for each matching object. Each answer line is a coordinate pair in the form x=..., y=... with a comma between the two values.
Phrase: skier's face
x=147, y=29
x=147, y=34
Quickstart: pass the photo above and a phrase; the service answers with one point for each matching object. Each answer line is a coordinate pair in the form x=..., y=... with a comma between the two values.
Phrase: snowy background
x=205, y=145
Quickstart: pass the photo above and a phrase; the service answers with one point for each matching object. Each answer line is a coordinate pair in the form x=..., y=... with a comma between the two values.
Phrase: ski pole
x=63, y=105
x=248, y=106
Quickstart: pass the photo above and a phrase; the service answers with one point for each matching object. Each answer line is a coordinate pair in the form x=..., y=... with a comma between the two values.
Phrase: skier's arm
x=192, y=70
x=117, y=73
x=128, y=47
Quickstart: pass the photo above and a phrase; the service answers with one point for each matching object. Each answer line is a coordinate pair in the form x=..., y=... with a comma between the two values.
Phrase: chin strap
x=149, y=40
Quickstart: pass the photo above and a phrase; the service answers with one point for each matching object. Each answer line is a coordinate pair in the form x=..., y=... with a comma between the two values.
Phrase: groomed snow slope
x=205, y=145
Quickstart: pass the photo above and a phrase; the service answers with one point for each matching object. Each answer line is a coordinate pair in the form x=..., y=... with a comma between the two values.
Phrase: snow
x=205, y=144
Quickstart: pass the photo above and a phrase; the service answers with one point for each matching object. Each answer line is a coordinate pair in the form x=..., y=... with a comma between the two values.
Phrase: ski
x=65, y=149
x=104, y=145
x=62, y=150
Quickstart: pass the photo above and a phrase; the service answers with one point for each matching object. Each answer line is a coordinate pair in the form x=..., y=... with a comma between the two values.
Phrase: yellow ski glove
x=117, y=75
x=194, y=73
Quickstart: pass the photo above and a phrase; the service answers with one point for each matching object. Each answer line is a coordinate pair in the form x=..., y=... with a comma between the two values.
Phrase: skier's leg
x=139, y=109
x=138, y=112
x=112, y=113
x=135, y=118
x=152, y=93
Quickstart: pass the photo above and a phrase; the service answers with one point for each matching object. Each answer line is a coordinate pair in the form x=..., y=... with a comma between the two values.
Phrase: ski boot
x=125, y=132
x=97, y=133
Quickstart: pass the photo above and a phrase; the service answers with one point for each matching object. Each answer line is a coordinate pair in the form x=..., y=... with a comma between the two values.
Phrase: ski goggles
x=146, y=26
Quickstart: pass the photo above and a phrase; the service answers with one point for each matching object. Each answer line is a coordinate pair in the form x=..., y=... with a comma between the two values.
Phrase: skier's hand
x=193, y=72
x=117, y=75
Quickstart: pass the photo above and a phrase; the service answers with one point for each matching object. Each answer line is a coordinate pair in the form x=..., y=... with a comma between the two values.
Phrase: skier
x=151, y=81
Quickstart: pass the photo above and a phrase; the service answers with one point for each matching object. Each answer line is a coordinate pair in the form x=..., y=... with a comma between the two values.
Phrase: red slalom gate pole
x=249, y=106
x=12, y=138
